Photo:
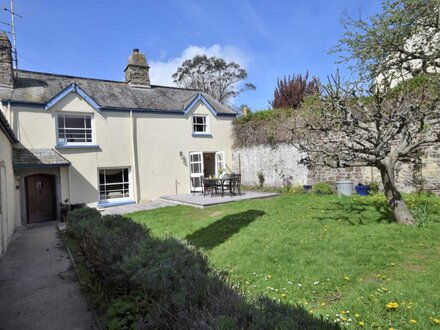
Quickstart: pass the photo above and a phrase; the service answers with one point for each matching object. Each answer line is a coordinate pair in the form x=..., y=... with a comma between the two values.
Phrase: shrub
x=374, y=187
x=261, y=178
x=152, y=283
x=323, y=189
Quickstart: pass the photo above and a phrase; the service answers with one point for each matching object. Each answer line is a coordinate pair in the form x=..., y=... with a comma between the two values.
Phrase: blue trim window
x=74, y=130
x=200, y=124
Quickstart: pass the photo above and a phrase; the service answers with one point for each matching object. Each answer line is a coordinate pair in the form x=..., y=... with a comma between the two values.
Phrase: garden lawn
x=341, y=258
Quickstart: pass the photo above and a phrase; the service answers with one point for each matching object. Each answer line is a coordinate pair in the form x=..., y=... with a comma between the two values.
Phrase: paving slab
x=38, y=286
x=200, y=200
x=130, y=208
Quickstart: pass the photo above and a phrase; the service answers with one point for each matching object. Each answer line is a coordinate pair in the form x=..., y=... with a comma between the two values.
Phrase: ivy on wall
x=268, y=127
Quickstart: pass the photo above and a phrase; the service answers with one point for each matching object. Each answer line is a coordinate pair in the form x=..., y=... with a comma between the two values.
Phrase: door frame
x=54, y=189
x=202, y=166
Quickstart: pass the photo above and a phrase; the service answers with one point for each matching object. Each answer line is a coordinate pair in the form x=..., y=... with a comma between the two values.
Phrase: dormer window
x=200, y=125
x=74, y=130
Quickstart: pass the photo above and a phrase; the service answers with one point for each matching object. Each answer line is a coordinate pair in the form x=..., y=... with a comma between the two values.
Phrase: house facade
x=104, y=142
x=8, y=219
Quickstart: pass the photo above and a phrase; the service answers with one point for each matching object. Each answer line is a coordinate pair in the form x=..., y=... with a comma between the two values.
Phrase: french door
x=196, y=168
x=219, y=162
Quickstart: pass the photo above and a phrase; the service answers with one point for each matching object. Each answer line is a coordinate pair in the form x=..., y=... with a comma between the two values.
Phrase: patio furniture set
x=219, y=186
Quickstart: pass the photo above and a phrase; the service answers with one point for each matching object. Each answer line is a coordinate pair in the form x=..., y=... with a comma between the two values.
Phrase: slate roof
x=38, y=157
x=39, y=88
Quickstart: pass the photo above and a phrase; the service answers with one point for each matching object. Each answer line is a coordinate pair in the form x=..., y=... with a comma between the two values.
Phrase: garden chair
x=235, y=184
x=209, y=186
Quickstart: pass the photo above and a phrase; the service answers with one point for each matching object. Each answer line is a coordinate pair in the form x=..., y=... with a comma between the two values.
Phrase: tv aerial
x=12, y=32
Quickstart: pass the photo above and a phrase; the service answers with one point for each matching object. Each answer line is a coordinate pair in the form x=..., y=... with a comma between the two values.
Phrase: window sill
x=201, y=134
x=79, y=146
x=105, y=204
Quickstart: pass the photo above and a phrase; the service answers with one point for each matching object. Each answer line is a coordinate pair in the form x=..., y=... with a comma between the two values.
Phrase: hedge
x=152, y=283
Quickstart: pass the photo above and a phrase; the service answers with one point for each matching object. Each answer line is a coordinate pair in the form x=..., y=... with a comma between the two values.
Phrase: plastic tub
x=344, y=187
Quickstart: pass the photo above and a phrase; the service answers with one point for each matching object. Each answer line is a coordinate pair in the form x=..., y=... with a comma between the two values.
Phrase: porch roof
x=38, y=157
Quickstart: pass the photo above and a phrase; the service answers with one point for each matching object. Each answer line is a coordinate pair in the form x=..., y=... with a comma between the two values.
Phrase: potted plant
x=221, y=173
x=362, y=190
x=65, y=207
x=307, y=187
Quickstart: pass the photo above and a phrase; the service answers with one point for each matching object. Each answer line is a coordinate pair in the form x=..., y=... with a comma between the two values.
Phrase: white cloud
x=162, y=70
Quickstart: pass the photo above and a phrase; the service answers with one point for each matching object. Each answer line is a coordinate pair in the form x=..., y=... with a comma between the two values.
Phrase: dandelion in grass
x=361, y=323
x=435, y=320
x=392, y=305
x=412, y=321
x=347, y=278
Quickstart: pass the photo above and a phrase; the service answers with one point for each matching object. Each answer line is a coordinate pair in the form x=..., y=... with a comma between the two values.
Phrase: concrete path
x=130, y=208
x=38, y=287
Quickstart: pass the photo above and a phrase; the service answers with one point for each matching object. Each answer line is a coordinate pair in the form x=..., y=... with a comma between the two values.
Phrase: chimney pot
x=136, y=50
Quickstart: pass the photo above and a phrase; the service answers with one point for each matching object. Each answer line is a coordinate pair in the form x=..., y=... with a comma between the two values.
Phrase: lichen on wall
x=278, y=165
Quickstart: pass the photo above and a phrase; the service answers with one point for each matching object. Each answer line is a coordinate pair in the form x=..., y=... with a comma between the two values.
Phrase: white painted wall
x=278, y=163
x=158, y=141
x=7, y=194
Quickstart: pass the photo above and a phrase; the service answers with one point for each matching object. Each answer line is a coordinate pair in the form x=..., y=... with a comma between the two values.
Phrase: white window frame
x=92, y=128
x=219, y=162
x=130, y=185
x=196, y=176
x=207, y=131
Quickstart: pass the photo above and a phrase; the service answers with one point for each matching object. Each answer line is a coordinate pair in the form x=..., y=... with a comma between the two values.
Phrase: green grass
x=328, y=253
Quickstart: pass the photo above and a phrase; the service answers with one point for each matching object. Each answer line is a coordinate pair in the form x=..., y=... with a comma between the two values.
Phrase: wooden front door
x=40, y=197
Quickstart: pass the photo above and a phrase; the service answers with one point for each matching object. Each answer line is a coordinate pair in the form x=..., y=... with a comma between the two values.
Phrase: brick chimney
x=136, y=72
x=6, y=70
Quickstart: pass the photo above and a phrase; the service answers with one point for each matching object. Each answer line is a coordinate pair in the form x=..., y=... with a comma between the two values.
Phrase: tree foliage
x=212, y=75
x=403, y=39
x=392, y=114
x=349, y=126
x=291, y=91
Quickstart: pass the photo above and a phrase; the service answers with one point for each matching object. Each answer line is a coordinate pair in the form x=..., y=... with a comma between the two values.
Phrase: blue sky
x=269, y=38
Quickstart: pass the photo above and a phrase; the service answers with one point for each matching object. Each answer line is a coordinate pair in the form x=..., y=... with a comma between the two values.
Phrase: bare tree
x=213, y=76
x=379, y=127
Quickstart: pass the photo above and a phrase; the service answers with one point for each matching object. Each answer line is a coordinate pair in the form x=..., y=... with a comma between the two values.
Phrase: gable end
x=72, y=88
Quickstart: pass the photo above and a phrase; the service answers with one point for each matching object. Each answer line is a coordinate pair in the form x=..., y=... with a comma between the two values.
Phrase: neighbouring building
x=103, y=142
x=8, y=219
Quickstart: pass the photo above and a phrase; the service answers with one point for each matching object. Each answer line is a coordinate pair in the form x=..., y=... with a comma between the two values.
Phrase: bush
x=152, y=283
x=374, y=187
x=261, y=179
x=323, y=189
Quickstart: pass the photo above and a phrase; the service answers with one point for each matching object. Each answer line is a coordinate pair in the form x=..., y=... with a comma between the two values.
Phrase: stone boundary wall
x=279, y=165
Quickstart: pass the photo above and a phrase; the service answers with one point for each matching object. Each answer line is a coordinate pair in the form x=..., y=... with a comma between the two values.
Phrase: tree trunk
x=393, y=196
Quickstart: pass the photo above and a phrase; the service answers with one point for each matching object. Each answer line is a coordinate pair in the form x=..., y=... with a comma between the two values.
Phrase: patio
x=198, y=200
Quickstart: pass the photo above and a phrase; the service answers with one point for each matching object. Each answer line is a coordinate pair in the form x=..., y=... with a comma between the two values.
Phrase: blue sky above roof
x=269, y=38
